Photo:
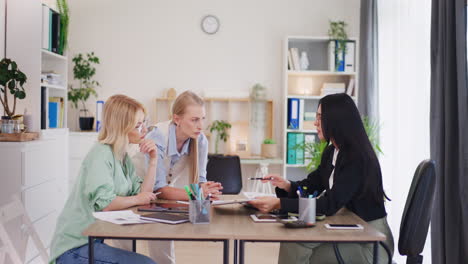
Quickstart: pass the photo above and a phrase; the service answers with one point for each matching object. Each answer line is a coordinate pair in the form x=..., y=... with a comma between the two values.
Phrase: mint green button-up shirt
x=102, y=177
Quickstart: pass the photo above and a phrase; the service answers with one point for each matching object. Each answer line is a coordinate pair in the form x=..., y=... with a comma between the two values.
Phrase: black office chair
x=227, y=171
x=417, y=214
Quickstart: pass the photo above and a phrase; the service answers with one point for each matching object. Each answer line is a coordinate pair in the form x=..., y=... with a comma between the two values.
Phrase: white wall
x=155, y=45
x=404, y=56
x=2, y=29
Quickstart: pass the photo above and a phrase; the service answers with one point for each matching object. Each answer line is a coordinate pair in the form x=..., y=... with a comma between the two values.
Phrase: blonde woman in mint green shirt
x=106, y=182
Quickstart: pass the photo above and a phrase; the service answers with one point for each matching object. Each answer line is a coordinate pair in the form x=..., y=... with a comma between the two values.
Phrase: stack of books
x=332, y=88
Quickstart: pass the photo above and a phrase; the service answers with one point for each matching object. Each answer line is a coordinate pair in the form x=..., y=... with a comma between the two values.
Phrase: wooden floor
x=212, y=253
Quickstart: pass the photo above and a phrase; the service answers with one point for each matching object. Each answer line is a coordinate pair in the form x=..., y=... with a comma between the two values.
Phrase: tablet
x=164, y=207
x=271, y=218
x=344, y=226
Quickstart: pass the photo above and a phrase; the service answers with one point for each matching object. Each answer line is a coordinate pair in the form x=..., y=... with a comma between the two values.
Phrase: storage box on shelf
x=303, y=89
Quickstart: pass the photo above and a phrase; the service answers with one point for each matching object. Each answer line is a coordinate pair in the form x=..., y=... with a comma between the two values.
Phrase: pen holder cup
x=307, y=210
x=199, y=211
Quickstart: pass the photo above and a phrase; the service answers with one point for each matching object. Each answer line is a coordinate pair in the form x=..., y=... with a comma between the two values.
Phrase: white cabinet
x=80, y=144
x=36, y=171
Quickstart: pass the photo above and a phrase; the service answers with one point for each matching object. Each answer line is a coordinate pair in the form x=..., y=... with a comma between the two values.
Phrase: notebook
x=166, y=218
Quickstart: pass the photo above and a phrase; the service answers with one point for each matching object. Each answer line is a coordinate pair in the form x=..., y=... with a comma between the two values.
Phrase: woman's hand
x=148, y=146
x=266, y=204
x=211, y=188
x=144, y=198
x=278, y=181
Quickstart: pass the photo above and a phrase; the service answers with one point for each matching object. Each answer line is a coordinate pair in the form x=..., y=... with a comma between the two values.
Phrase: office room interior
x=253, y=63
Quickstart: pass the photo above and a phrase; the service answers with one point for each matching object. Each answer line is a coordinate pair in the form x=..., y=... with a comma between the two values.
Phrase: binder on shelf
x=336, y=60
x=350, y=89
x=291, y=151
x=301, y=114
x=45, y=27
x=55, y=30
x=308, y=139
x=53, y=112
x=99, y=107
x=331, y=55
x=349, y=57
x=299, y=149
x=293, y=113
x=43, y=108
x=295, y=59
x=61, y=112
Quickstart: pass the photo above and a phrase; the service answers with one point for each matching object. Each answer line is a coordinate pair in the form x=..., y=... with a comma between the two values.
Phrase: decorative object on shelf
x=64, y=21
x=11, y=82
x=304, y=61
x=269, y=148
x=257, y=116
x=210, y=24
x=338, y=37
x=171, y=94
x=221, y=128
x=83, y=71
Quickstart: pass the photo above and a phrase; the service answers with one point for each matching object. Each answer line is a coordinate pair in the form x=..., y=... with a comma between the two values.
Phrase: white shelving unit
x=36, y=171
x=52, y=62
x=306, y=85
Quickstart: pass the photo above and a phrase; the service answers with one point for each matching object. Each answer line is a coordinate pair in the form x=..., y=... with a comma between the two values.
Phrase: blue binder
x=53, y=110
x=293, y=113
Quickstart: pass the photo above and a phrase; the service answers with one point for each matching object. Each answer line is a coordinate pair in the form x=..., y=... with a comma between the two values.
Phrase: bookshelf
x=304, y=85
x=52, y=92
x=236, y=111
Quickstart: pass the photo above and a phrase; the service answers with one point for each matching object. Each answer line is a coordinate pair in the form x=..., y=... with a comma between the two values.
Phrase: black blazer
x=346, y=192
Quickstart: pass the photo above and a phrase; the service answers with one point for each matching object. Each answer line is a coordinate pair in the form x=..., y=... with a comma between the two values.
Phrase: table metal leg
x=337, y=253
x=134, y=245
x=226, y=251
x=91, y=250
x=235, y=251
x=241, y=251
x=376, y=252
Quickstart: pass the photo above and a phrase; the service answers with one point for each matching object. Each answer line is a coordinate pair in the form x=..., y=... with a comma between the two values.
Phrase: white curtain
x=404, y=100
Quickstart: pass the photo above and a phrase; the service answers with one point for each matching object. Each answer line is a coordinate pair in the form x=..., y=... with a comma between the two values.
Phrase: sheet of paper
x=124, y=217
x=222, y=202
x=252, y=195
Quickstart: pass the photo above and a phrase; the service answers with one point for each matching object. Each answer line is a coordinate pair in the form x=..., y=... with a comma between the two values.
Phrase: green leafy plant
x=83, y=71
x=315, y=149
x=221, y=127
x=12, y=80
x=64, y=21
x=337, y=32
x=269, y=141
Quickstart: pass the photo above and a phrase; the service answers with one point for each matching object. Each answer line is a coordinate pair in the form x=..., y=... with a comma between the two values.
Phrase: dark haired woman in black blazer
x=349, y=175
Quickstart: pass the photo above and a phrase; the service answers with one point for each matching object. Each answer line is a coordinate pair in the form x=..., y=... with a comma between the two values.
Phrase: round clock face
x=210, y=24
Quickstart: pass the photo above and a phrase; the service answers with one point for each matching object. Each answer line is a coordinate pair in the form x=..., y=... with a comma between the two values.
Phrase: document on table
x=124, y=217
x=252, y=195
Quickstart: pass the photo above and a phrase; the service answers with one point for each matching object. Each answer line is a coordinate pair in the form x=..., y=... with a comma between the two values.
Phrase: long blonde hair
x=179, y=108
x=118, y=119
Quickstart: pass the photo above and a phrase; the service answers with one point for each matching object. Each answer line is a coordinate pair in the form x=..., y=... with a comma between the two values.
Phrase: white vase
x=304, y=61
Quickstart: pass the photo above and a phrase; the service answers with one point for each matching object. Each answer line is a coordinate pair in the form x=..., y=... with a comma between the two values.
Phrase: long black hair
x=341, y=122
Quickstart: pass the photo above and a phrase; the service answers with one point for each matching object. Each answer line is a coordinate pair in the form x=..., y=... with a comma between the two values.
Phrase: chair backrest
x=418, y=210
x=227, y=171
x=8, y=213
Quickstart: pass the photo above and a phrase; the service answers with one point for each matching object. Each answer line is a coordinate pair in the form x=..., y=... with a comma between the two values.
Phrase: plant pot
x=269, y=150
x=86, y=123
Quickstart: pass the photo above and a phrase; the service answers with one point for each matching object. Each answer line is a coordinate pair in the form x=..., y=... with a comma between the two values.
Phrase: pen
x=314, y=194
x=299, y=189
x=190, y=195
x=157, y=193
x=260, y=178
x=322, y=194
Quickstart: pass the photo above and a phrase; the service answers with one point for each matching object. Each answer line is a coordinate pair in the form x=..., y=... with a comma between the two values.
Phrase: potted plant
x=337, y=32
x=269, y=148
x=12, y=81
x=221, y=127
x=83, y=71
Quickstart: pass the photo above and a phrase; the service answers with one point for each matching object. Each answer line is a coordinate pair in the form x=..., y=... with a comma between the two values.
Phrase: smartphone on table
x=344, y=226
